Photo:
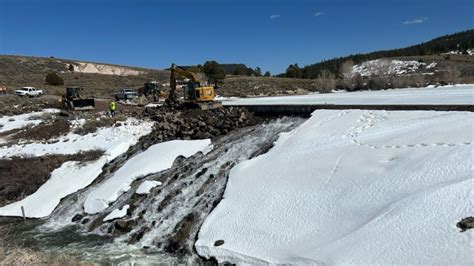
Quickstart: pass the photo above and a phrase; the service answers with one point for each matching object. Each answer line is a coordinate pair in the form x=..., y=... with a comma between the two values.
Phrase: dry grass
x=92, y=125
x=14, y=105
x=23, y=256
x=43, y=131
x=23, y=176
x=262, y=86
x=18, y=71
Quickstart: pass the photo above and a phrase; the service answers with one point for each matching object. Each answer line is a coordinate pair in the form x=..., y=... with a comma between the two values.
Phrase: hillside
x=461, y=42
x=96, y=78
x=243, y=86
x=444, y=60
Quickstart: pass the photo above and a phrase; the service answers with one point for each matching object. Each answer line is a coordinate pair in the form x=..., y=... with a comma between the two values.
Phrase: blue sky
x=269, y=34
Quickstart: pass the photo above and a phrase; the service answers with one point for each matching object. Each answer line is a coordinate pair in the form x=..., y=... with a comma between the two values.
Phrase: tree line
x=460, y=41
x=216, y=71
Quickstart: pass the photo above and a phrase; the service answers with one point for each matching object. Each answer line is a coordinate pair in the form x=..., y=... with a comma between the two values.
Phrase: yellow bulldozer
x=197, y=94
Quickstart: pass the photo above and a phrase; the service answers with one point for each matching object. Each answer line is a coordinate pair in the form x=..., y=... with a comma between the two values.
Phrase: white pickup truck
x=28, y=91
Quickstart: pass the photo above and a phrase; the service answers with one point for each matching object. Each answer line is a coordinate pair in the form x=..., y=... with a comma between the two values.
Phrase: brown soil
x=23, y=176
x=43, y=131
x=14, y=105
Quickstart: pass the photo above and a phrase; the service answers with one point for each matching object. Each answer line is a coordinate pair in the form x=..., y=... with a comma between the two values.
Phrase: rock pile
x=196, y=123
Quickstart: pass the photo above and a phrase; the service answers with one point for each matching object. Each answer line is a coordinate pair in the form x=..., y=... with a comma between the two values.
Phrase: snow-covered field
x=352, y=187
x=459, y=94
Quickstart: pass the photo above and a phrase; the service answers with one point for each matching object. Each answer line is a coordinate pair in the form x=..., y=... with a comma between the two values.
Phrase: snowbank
x=352, y=187
x=19, y=121
x=147, y=186
x=117, y=213
x=459, y=94
x=73, y=176
x=157, y=158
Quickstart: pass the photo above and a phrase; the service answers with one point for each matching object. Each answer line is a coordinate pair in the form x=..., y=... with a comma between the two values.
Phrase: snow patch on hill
x=390, y=67
x=83, y=67
x=469, y=52
x=352, y=187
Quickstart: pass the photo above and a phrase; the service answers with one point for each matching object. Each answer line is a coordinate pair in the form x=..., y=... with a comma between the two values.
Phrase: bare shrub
x=54, y=79
x=326, y=82
x=452, y=75
x=397, y=82
x=377, y=83
x=21, y=176
x=416, y=81
x=345, y=70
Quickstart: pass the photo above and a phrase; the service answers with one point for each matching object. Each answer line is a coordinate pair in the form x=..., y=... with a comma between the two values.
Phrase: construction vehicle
x=196, y=93
x=126, y=94
x=151, y=88
x=72, y=100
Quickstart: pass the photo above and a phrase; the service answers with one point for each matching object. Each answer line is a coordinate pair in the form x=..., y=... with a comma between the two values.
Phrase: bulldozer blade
x=83, y=104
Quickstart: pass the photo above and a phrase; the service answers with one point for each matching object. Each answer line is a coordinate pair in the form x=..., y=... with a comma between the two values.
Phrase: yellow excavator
x=196, y=93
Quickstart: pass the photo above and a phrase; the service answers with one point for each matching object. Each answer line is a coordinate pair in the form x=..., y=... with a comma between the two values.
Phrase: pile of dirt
x=23, y=176
x=197, y=124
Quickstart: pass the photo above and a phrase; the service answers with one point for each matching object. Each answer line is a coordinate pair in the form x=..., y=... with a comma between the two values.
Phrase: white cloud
x=317, y=14
x=415, y=21
x=275, y=16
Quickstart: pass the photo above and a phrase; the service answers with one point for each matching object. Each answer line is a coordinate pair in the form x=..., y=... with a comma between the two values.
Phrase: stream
x=160, y=227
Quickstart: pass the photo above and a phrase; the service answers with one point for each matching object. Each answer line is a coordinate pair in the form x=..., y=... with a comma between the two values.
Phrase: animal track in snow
x=369, y=120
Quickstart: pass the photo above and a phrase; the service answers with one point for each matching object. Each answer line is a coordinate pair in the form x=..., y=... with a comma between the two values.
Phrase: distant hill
x=96, y=78
x=460, y=41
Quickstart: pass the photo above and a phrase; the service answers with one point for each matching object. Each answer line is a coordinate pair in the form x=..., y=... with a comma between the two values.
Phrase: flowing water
x=161, y=226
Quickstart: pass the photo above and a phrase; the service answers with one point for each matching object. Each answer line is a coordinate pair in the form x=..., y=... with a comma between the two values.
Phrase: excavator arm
x=175, y=70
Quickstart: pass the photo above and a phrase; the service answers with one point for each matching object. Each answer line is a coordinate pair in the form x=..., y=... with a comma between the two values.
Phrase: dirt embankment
x=23, y=176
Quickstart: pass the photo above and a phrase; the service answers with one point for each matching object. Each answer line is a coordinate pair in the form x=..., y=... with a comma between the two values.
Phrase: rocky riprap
x=466, y=224
x=197, y=124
